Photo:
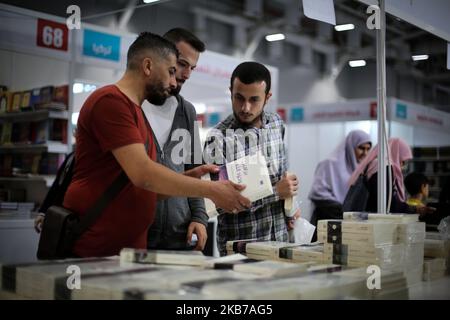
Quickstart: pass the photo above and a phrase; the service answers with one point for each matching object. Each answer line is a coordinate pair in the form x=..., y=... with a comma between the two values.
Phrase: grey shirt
x=174, y=214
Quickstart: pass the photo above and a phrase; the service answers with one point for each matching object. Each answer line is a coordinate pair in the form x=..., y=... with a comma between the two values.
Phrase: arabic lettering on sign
x=101, y=45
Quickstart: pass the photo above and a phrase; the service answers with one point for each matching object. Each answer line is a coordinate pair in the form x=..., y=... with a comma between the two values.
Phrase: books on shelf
x=5, y=101
x=16, y=99
x=25, y=103
x=6, y=137
x=251, y=171
x=61, y=95
x=45, y=98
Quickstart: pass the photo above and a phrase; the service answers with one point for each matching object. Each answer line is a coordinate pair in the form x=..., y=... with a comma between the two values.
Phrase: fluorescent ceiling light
x=357, y=63
x=150, y=1
x=77, y=87
x=344, y=27
x=420, y=57
x=275, y=37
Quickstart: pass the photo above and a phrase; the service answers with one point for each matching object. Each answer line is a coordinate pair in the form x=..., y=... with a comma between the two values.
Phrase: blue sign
x=401, y=111
x=101, y=45
x=297, y=114
x=214, y=119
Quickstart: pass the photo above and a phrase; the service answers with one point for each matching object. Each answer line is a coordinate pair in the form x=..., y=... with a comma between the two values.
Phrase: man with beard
x=177, y=218
x=113, y=137
x=252, y=129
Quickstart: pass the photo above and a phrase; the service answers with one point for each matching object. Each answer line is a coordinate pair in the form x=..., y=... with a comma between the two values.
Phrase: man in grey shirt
x=177, y=218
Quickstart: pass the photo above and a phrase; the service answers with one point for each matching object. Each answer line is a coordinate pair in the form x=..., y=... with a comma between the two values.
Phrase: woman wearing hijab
x=331, y=177
x=399, y=154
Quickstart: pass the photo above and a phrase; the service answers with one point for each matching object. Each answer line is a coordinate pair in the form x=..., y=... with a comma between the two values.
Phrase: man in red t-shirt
x=111, y=134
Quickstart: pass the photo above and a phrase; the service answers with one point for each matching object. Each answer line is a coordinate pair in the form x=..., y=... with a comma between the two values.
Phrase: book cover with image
x=251, y=171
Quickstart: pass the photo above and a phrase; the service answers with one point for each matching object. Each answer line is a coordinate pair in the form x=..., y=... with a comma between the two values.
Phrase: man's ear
x=268, y=95
x=147, y=65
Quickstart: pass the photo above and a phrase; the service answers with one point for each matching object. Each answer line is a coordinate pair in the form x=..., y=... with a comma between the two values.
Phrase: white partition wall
x=311, y=140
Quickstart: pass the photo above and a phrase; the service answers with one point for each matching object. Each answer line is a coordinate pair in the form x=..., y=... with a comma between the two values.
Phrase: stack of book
x=438, y=248
x=390, y=285
x=49, y=280
x=273, y=269
x=313, y=286
x=188, y=258
x=135, y=284
x=277, y=250
x=145, y=285
x=250, y=290
x=266, y=250
x=433, y=268
x=312, y=252
x=227, y=262
x=238, y=246
x=387, y=242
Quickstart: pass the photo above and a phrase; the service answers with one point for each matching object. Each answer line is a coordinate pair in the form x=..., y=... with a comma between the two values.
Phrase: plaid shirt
x=228, y=141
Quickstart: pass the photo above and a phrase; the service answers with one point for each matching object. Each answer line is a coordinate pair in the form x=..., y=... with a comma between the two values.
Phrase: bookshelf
x=33, y=144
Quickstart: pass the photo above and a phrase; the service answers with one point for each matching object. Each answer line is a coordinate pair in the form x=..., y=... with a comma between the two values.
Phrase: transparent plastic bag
x=444, y=228
x=302, y=232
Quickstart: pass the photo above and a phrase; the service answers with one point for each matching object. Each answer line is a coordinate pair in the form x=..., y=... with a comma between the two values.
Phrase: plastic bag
x=444, y=228
x=302, y=232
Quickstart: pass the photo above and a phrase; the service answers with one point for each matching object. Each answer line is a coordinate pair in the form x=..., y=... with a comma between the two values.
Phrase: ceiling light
x=77, y=87
x=420, y=57
x=150, y=1
x=357, y=63
x=344, y=27
x=275, y=37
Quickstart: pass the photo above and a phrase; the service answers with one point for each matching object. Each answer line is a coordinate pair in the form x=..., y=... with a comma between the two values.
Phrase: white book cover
x=251, y=171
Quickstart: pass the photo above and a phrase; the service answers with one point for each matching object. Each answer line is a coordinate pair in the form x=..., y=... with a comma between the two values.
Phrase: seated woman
x=331, y=177
x=399, y=154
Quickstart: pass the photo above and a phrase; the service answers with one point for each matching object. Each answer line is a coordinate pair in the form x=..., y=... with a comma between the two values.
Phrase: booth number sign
x=52, y=35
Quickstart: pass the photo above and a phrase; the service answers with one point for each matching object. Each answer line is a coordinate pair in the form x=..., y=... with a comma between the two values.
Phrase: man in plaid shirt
x=243, y=133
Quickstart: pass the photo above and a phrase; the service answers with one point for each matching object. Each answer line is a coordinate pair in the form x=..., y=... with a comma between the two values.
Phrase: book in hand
x=251, y=171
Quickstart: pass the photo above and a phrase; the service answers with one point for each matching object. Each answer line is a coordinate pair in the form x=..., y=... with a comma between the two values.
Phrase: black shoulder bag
x=358, y=194
x=61, y=227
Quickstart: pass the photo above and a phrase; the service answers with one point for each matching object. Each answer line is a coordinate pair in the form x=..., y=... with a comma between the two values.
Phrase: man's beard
x=156, y=94
x=249, y=124
x=177, y=90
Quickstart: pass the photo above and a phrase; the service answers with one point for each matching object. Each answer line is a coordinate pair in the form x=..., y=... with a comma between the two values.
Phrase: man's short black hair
x=251, y=72
x=179, y=34
x=150, y=42
x=414, y=182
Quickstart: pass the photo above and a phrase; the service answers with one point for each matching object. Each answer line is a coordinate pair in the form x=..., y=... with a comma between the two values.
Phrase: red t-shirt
x=108, y=121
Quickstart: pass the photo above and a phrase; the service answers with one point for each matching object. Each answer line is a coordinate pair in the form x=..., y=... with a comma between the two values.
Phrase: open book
x=251, y=171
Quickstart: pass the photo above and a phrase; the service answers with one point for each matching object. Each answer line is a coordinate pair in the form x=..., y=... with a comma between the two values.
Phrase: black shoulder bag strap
x=111, y=192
